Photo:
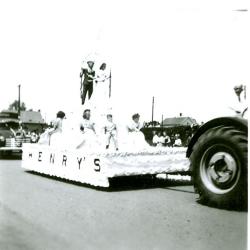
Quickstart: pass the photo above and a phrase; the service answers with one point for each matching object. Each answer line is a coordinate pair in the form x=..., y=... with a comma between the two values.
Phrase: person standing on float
x=87, y=76
x=101, y=97
x=110, y=131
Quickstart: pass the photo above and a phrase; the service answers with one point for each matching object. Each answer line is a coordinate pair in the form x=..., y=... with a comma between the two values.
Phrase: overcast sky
x=187, y=54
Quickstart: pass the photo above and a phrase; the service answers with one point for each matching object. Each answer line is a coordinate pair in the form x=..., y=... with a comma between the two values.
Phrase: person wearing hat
x=87, y=76
x=238, y=90
x=240, y=107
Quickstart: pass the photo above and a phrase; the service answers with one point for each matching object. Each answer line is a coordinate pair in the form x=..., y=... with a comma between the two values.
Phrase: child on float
x=110, y=131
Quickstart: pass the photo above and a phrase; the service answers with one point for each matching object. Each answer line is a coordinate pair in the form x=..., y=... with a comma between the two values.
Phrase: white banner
x=95, y=169
x=76, y=166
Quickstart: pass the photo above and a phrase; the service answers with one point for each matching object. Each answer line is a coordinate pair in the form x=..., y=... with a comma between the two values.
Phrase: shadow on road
x=130, y=183
x=126, y=183
x=179, y=190
x=16, y=156
x=143, y=182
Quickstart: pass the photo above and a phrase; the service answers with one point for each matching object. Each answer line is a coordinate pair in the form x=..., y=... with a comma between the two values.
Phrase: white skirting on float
x=96, y=168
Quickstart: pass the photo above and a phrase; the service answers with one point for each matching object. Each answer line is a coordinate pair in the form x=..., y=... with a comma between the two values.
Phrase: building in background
x=32, y=121
x=179, y=121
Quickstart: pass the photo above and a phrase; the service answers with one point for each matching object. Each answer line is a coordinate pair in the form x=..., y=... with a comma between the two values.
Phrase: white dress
x=56, y=139
x=87, y=137
x=133, y=139
x=101, y=100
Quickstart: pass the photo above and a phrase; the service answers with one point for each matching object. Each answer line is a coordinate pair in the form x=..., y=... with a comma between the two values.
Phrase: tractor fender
x=237, y=122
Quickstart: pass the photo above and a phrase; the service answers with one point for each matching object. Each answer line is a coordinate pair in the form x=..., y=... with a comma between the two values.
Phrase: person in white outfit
x=157, y=140
x=110, y=131
x=101, y=97
x=166, y=140
x=135, y=125
x=86, y=124
x=87, y=129
x=178, y=142
x=135, y=137
x=53, y=136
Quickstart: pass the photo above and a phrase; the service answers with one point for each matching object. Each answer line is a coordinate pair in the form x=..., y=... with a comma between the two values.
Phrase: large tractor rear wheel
x=219, y=167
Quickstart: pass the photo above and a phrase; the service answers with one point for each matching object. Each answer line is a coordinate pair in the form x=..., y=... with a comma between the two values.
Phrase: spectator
x=166, y=139
x=153, y=135
x=158, y=140
x=178, y=142
x=28, y=133
x=34, y=137
x=20, y=132
x=19, y=136
x=172, y=140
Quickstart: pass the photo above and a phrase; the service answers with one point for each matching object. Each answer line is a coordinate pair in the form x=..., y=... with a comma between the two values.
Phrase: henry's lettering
x=40, y=156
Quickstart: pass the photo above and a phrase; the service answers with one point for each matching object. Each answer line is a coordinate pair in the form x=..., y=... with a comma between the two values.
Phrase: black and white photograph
x=124, y=125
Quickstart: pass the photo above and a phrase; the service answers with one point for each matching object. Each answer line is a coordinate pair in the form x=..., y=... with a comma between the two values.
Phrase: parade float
x=78, y=154
x=216, y=156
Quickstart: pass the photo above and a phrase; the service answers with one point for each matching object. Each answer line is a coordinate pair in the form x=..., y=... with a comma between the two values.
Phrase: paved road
x=43, y=213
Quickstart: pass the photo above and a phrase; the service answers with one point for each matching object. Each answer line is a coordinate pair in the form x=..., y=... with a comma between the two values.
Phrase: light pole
x=19, y=99
x=153, y=106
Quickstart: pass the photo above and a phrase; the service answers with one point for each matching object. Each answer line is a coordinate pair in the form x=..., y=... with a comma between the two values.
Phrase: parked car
x=11, y=137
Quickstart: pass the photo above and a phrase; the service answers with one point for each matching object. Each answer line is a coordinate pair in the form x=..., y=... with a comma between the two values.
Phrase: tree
x=14, y=106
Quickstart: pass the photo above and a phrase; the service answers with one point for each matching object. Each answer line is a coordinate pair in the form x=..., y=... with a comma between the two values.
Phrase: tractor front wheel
x=219, y=167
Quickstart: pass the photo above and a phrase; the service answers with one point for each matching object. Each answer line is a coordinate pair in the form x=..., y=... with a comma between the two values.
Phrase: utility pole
x=19, y=99
x=153, y=106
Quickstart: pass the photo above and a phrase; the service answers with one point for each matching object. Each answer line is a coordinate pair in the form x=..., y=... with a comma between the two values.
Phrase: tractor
x=218, y=153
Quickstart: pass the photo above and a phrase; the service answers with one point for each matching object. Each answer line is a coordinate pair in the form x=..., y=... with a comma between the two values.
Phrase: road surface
x=37, y=212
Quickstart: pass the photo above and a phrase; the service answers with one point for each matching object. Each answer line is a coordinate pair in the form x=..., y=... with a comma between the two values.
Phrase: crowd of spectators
x=22, y=133
x=162, y=139
x=169, y=137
